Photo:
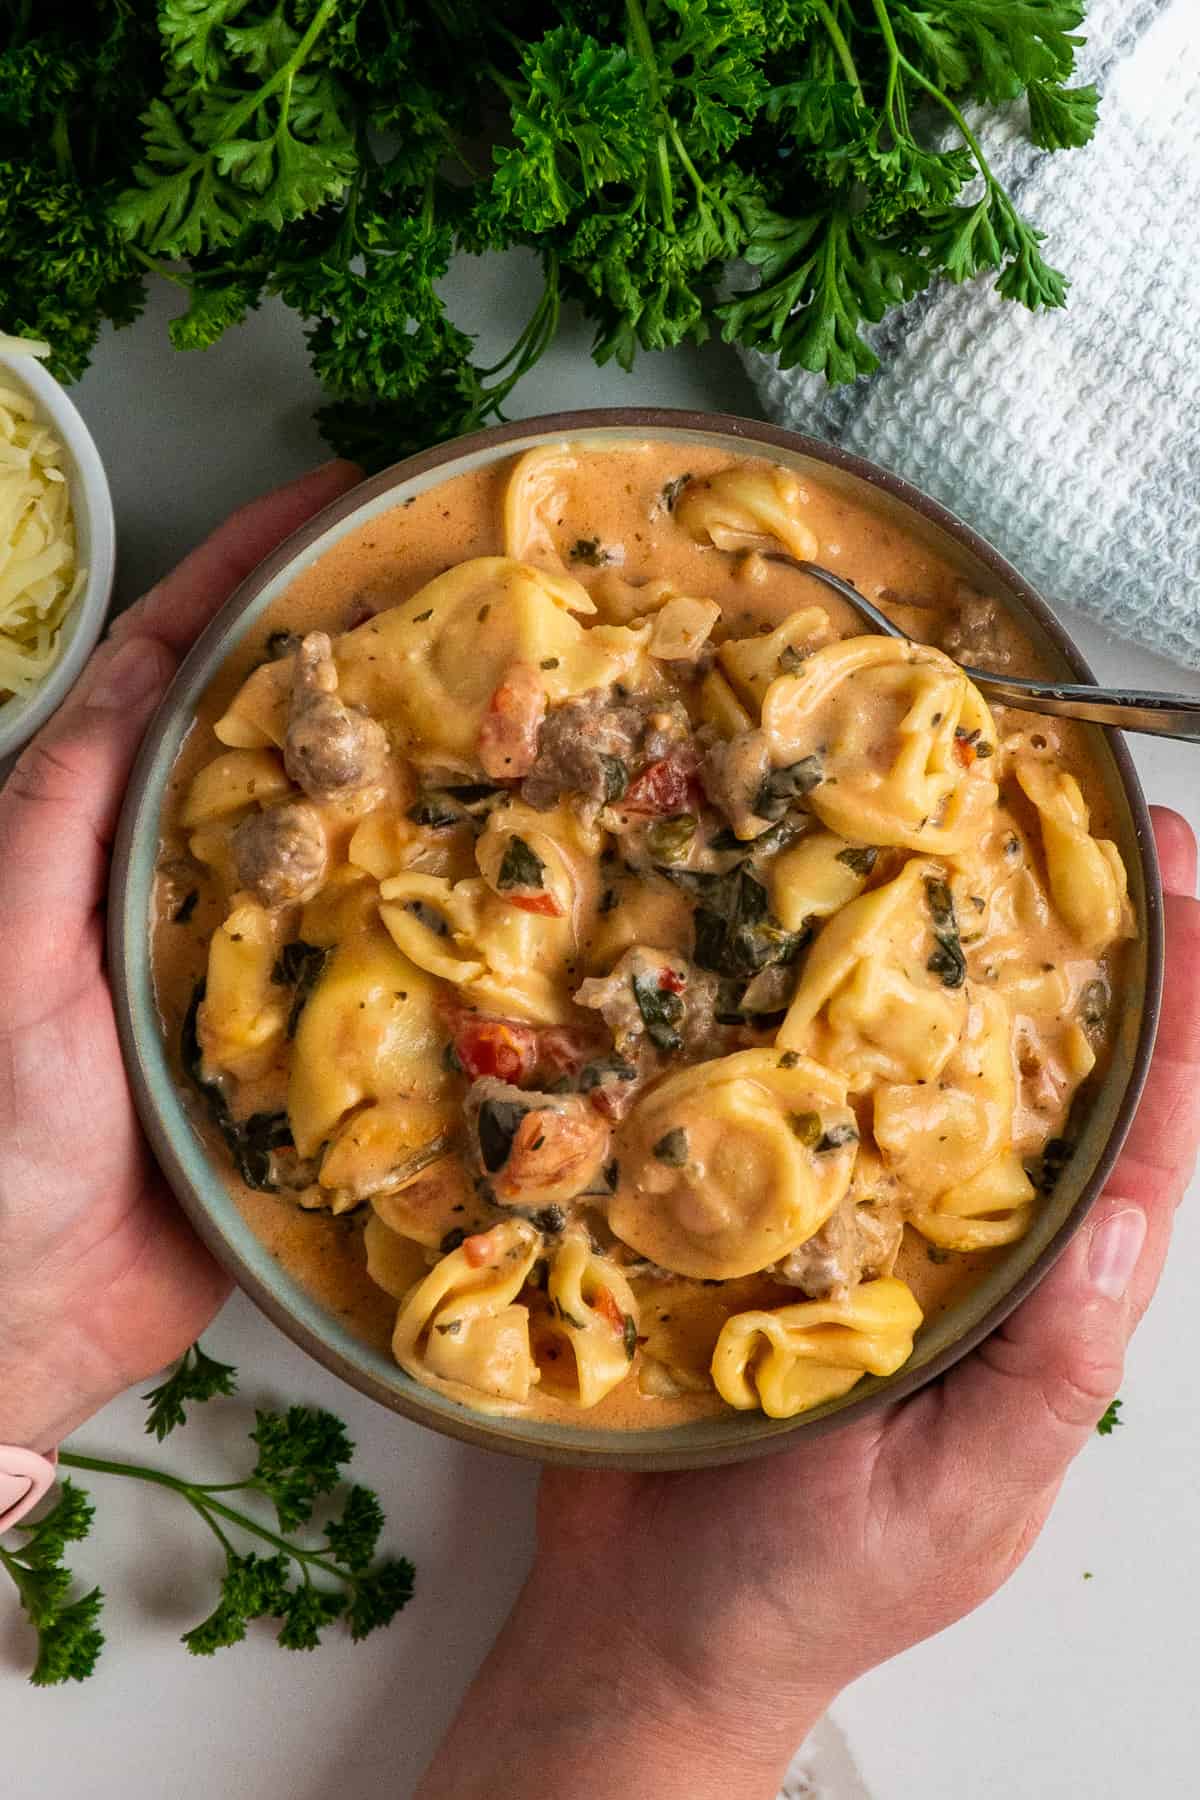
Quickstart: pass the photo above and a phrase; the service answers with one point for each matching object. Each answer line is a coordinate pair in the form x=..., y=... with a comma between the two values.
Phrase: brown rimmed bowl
x=200, y=1183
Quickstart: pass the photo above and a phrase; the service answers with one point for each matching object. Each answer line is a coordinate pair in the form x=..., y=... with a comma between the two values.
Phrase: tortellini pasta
x=370, y=1031
x=240, y=778
x=734, y=1162
x=903, y=739
x=584, y=1342
x=749, y=507
x=868, y=1003
x=242, y=1020
x=817, y=877
x=753, y=663
x=949, y=1143
x=536, y=491
x=461, y=1330
x=1087, y=877
x=795, y=1357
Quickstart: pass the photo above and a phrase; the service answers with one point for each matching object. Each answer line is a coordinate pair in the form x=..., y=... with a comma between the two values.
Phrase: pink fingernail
x=1115, y=1248
x=137, y=671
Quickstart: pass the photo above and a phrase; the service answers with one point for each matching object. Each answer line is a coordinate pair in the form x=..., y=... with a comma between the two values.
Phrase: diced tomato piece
x=496, y=1047
x=964, y=750
x=670, y=981
x=604, y=1303
x=508, y=733
x=664, y=786
x=543, y=903
x=479, y=1250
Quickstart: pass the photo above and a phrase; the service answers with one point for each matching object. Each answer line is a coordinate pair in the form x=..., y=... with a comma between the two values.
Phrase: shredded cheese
x=39, y=577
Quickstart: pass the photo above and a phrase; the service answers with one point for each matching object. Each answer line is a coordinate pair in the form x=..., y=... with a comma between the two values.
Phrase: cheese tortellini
x=586, y=1339
x=664, y=989
x=1087, y=877
x=795, y=1357
x=904, y=742
x=368, y=1032
x=749, y=508
x=868, y=1003
x=461, y=1330
x=733, y=1163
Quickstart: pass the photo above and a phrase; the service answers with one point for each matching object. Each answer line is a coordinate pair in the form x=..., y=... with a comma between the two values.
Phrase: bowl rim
x=485, y=1431
x=91, y=502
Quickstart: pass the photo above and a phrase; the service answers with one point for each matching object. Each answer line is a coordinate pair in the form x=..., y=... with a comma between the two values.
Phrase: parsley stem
x=837, y=38
x=639, y=31
x=897, y=61
x=160, y=268
x=200, y=1499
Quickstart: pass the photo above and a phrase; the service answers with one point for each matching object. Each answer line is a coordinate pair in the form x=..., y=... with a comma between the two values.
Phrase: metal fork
x=1161, y=715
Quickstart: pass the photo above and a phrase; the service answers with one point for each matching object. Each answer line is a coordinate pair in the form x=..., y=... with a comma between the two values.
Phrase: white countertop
x=1059, y=1688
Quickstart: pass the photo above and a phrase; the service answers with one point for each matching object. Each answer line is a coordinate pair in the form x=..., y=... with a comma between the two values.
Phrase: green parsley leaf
x=195, y=1378
x=1110, y=1421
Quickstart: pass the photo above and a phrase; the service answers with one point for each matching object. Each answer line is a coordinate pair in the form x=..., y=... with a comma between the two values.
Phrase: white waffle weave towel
x=1070, y=439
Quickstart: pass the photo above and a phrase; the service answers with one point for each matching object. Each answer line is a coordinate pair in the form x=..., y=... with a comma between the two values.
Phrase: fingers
x=59, y=808
x=178, y=608
x=1017, y=1411
x=1176, y=844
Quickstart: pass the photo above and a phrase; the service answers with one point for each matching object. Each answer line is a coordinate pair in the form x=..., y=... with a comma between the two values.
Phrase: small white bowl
x=95, y=547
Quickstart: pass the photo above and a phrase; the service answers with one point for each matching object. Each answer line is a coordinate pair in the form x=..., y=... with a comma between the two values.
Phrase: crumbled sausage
x=592, y=747
x=972, y=633
x=280, y=854
x=331, y=749
x=856, y=1241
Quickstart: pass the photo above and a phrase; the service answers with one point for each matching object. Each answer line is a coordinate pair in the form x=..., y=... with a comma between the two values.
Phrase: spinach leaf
x=616, y=776
x=499, y=1121
x=735, y=933
x=861, y=860
x=947, y=961
x=672, y=1148
x=667, y=840
x=660, y=1009
x=589, y=550
x=435, y=811
x=783, y=786
x=186, y=907
x=1044, y=1170
x=520, y=866
x=300, y=966
x=250, y=1141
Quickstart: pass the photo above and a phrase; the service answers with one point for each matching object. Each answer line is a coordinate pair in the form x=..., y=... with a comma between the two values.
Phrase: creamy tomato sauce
x=922, y=1016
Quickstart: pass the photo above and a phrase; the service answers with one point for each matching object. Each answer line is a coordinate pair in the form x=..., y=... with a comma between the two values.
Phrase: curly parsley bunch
x=338, y=152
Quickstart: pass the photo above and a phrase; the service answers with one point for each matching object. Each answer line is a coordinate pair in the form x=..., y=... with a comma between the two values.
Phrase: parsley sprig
x=339, y=153
x=269, y=1573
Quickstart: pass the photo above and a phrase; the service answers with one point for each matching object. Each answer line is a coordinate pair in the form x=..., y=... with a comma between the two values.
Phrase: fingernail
x=137, y=671
x=1115, y=1248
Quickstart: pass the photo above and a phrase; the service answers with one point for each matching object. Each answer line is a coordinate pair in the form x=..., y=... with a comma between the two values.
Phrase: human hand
x=101, y=1278
x=680, y=1634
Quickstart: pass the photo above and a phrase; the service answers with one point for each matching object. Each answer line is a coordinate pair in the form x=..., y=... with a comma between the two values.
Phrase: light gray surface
x=1058, y=1689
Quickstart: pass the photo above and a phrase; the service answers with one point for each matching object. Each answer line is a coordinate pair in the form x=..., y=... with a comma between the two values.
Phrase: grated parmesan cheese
x=39, y=578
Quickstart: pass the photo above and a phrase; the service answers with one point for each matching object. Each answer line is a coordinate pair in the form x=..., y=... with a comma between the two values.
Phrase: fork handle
x=1161, y=715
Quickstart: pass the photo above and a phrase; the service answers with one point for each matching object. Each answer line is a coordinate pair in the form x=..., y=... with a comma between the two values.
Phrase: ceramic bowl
x=96, y=548
x=200, y=1184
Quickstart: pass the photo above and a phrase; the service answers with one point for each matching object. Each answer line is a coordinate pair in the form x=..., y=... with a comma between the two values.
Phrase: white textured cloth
x=1069, y=439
